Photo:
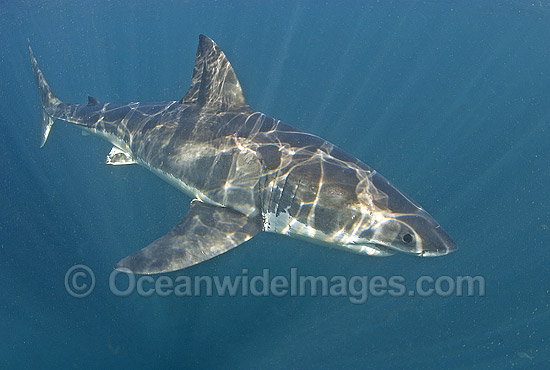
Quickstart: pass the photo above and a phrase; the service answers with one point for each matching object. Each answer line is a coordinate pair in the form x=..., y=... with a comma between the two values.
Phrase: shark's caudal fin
x=48, y=100
x=214, y=85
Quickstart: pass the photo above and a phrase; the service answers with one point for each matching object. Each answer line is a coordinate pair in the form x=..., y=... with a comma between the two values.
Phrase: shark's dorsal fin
x=214, y=84
x=92, y=101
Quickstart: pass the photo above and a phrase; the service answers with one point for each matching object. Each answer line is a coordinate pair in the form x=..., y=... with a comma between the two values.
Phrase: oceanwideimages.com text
x=80, y=282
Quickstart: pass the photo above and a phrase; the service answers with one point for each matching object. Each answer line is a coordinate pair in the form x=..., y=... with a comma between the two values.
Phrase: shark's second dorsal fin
x=214, y=84
x=92, y=101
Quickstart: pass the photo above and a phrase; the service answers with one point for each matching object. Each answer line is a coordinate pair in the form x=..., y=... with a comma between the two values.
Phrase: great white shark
x=246, y=173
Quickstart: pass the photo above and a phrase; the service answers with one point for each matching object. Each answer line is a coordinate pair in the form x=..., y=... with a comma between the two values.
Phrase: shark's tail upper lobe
x=48, y=100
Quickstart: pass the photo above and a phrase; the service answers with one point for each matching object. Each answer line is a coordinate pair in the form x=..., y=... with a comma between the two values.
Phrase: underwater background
x=449, y=100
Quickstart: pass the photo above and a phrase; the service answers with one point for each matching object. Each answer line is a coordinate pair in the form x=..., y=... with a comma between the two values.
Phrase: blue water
x=449, y=100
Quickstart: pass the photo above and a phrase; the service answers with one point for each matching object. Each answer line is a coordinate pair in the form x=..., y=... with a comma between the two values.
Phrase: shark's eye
x=407, y=238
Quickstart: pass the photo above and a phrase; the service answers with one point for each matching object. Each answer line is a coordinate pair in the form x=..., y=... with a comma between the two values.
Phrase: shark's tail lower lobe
x=48, y=100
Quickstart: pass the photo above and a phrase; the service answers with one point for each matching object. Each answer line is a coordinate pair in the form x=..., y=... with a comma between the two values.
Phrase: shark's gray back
x=247, y=161
x=241, y=159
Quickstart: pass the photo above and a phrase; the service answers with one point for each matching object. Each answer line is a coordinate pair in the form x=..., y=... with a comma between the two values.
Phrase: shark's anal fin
x=117, y=157
x=205, y=232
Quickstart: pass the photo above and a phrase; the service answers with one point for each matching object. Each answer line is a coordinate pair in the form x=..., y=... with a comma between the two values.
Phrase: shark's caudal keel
x=247, y=173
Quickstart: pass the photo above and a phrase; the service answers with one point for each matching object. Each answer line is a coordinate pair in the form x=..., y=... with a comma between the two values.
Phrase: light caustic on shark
x=246, y=173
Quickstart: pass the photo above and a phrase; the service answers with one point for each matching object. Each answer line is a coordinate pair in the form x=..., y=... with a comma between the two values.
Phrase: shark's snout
x=430, y=239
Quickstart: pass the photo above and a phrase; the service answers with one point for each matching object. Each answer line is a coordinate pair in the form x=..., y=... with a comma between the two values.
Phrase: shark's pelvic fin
x=205, y=232
x=117, y=157
x=214, y=85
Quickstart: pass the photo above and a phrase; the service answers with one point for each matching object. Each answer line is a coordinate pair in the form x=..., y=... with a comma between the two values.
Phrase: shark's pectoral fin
x=117, y=157
x=205, y=232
